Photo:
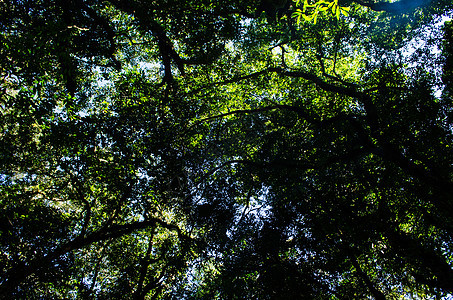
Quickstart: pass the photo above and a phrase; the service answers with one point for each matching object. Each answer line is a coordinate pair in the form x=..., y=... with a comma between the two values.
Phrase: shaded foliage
x=212, y=150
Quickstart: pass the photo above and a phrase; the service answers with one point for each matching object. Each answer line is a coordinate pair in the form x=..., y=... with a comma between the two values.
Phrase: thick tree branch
x=378, y=295
x=385, y=150
x=429, y=259
x=388, y=151
x=144, y=268
x=13, y=277
x=147, y=23
x=104, y=24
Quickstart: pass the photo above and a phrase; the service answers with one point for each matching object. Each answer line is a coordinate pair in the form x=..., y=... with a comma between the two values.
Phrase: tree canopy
x=208, y=149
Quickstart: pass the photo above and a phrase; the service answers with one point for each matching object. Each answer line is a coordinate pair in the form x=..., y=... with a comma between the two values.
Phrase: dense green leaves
x=226, y=150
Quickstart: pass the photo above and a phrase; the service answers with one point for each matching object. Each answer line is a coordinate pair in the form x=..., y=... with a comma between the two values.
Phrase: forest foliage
x=208, y=149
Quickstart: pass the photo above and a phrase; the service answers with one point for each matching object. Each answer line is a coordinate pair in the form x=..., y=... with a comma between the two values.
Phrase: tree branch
x=14, y=277
x=386, y=150
x=144, y=268
x=299, y=110
x=378, y=295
